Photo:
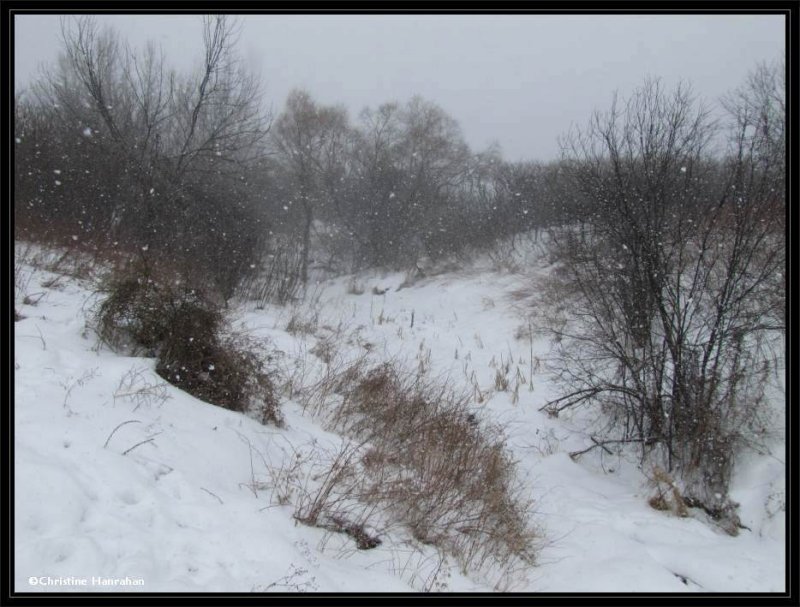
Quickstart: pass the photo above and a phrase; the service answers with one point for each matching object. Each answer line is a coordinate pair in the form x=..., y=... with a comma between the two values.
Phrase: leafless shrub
x=135, y=387
x=504, y=256
x=279, y=278
x=73, y=260
x=305, y=315
x=70, y=384
x=142, y=301
x=22, y=279
x=425, y=571
x=327, y=491
x=148, y=308
x=547, y=443
x=294, y=581
x=285, y=478
x=668, y=283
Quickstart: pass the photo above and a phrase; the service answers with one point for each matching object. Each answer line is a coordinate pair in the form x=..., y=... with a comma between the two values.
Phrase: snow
x=179, y=497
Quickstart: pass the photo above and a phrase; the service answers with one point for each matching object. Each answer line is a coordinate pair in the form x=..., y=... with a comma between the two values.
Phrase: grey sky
x=519, y=80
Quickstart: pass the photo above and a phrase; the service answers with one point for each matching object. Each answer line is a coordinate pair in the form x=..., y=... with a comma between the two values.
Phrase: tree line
x=116, y=150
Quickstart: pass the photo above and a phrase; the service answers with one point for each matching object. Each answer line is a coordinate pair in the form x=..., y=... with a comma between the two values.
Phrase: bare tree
x=665, y=278
x=175, y=150
x=311, y=141
x=758, y=109
x=412, y=163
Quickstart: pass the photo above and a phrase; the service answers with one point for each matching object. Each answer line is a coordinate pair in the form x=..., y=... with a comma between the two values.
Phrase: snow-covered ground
x=167, y=493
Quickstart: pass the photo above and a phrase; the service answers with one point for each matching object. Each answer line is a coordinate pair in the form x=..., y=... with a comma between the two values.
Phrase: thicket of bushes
x=115, y=151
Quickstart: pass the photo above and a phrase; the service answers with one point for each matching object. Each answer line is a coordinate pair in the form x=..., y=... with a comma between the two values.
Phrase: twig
x=147, y=440
x=572, y=399
x=41, y=337
x=212, y=494
x=576, y=454
x=130, y=421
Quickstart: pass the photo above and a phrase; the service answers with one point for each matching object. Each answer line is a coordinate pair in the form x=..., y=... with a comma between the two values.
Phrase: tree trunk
x=309, y=219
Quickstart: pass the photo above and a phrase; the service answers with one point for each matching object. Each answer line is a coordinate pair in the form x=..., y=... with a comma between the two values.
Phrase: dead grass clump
x=155, y=312
x=448, y=479
x=667, y=496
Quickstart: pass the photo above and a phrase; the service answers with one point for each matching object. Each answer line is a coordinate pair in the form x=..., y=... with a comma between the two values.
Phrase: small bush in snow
x=151, y=310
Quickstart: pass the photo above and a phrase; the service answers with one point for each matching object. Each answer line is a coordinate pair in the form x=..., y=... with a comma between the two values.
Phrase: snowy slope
x=191, y=508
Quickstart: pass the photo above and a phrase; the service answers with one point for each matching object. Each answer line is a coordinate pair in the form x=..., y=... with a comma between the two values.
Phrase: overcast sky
x=518, y=80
